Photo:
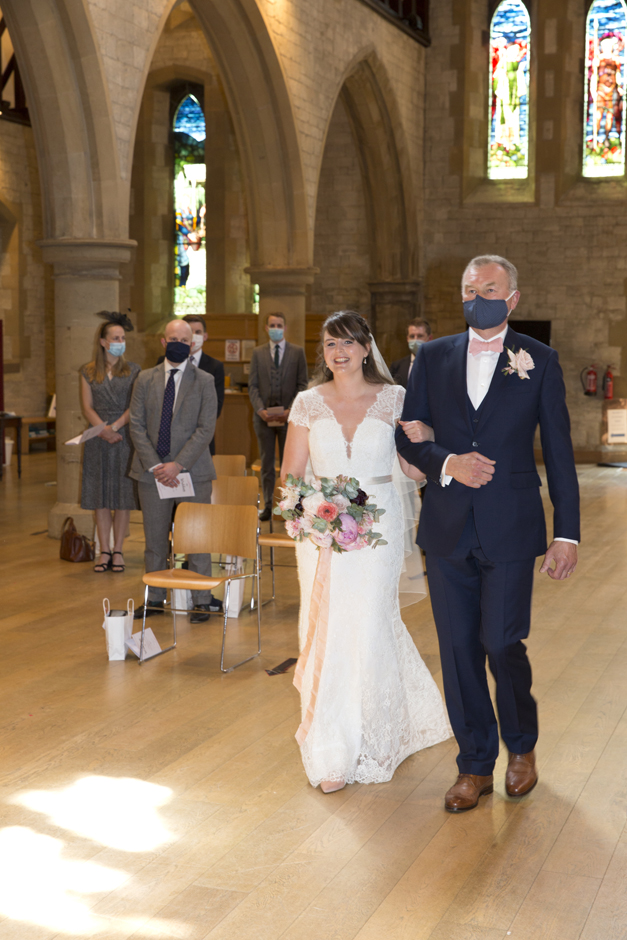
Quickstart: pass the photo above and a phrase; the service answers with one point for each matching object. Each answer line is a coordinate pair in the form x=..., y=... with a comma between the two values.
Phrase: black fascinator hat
x=120, y=319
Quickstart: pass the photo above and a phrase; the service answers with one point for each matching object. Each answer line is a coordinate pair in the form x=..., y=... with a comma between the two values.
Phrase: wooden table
x=49, y=437
x=11, y=421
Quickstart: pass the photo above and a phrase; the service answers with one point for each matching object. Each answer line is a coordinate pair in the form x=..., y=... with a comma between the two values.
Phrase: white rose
x=341, y=502
x=312, y=503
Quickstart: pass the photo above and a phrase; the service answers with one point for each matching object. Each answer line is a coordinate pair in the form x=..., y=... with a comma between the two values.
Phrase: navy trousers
x=483, y=609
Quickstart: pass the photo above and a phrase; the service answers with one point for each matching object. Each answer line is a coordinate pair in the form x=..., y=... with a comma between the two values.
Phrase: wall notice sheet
x=617, y=426
x=185, y=487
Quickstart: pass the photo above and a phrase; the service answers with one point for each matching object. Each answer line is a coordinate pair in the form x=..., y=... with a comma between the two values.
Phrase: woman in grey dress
x=106, y=387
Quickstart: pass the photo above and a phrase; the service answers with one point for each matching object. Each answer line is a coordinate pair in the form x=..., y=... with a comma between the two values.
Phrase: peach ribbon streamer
x=318, y=621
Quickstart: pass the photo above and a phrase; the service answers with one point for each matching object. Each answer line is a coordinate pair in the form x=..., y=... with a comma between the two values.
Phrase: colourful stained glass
x=604, y=129
x=510, y=34
x=190, y=255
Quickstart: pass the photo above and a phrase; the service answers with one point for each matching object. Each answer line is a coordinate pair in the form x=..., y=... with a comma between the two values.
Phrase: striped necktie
x=163, y=442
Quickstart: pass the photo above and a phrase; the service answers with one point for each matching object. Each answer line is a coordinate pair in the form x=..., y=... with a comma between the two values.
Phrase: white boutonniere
x=519, y=362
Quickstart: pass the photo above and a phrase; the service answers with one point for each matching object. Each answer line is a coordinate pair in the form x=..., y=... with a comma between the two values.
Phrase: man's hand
x=110, y=436
x=564, y=554
x=472, y=470
x=417, y=432
x=263, y=414
x=167, y=473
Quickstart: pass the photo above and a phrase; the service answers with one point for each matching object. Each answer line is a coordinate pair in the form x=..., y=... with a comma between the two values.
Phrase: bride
x=368, y=700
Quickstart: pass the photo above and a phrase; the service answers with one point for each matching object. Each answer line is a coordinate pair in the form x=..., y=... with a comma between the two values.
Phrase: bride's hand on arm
x=410, y=471
x=417, y=432
x=296, y=452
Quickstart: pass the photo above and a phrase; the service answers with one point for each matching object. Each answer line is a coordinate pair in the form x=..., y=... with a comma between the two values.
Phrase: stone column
x=282, y=290
x=87, y=275
x=393, y=305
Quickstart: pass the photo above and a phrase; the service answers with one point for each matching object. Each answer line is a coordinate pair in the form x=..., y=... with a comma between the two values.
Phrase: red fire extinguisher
x=589, y=381
x=608, y=384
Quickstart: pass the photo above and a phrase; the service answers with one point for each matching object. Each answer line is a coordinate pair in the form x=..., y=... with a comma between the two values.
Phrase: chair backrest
x=223, y=530
x=235, y=491
x=230, y=465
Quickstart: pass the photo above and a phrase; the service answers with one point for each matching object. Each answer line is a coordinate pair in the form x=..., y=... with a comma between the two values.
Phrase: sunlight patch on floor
x=38, y=886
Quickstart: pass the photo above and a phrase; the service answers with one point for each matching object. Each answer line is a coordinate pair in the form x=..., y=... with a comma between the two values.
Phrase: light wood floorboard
x=200, y=823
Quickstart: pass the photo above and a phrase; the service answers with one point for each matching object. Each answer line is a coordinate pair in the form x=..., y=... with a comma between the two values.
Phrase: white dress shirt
x=479, y=374
x=281, y=346
x=411, y=365
x=195, y=358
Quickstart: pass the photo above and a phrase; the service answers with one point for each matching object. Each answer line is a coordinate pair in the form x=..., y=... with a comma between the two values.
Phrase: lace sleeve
x=299, y=412
x=399, y=401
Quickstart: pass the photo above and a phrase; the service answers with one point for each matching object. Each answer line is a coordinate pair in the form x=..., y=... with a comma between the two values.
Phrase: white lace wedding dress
x=377, y=702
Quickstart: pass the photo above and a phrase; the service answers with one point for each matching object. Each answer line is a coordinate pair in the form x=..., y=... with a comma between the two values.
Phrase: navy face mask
x=177, y=352
x=482, y=314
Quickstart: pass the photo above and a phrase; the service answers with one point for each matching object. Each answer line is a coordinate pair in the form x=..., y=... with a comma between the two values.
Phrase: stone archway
x=391, y=219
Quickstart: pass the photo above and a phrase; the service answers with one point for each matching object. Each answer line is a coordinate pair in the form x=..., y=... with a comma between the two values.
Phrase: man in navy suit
x=482, y=523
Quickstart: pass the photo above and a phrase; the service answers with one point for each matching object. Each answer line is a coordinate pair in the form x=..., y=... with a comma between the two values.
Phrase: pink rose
x=293, y=527
x=321, y=539
x=306, y=522
x=519, y=362
x=347, y=536
x=327, y=511
x=290, y=498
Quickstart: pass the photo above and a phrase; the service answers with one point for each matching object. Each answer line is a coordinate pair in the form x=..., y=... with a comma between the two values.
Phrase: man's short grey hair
x=481, y=260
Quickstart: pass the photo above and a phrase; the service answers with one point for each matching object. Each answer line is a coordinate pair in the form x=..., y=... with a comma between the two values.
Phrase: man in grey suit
x=278, y=372
x=172, y=420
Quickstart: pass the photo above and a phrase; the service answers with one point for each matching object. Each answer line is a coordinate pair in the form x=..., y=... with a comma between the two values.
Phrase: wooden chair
x=273, y=539
x=200, y=528
x=235, y=491
x=230, y=465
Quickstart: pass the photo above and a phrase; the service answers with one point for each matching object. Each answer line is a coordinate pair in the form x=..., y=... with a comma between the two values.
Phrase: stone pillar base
x=83, y=519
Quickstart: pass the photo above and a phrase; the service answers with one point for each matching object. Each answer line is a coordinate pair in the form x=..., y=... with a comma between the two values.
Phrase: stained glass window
x=604, y=130
x=510, y=33
x=190, y=258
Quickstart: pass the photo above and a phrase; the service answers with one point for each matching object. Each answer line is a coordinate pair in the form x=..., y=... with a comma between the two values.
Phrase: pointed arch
x=370, y=103
x=71, y=118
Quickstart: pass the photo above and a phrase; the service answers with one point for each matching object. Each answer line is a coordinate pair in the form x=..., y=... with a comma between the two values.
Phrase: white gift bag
x=234, y=565
x=118, y=626
x=181, y=600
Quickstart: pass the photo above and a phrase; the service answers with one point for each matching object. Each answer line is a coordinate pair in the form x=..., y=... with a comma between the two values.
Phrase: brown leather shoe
x=465, y=793
x=522, y=775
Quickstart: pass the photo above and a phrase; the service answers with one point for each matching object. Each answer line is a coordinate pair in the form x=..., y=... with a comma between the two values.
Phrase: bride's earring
x=365, y=360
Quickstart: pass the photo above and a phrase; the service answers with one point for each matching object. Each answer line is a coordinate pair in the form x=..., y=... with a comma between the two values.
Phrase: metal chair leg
x=142, y=658
x=227, y=594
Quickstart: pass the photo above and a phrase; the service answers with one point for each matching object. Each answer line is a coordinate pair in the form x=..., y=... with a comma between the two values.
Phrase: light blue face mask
x=414, y=345
x=117, y=349
x=275, y=333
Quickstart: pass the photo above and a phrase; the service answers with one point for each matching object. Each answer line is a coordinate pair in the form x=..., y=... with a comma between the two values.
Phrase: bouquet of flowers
x=333, y=514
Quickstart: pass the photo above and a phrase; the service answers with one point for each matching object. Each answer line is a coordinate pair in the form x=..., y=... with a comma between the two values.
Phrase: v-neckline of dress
x=348, y=444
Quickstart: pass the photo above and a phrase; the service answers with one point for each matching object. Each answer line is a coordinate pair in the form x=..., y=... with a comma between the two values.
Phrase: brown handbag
x=74, y=547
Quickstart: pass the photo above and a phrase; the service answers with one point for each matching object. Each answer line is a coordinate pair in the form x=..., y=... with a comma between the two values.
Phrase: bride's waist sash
x=373, y=481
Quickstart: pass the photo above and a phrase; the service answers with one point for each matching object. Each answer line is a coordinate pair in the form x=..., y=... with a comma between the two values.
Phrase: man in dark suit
x=278, y=372
x=482, y=523
x=172, y=419
x=202, y=361
x=418, y=332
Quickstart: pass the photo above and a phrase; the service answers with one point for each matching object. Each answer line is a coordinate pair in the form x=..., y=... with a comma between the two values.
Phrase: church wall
x=566, y=235
x=24, y=298
x=341, y=240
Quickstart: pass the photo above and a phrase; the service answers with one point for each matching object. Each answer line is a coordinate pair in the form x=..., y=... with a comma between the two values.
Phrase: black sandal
x=103, y=566
x=118, y=569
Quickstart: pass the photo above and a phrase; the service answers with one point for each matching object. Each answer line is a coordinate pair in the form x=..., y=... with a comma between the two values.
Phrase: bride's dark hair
x=347, y=324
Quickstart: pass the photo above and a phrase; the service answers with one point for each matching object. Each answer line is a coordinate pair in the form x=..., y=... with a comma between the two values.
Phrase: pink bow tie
x=477, y=346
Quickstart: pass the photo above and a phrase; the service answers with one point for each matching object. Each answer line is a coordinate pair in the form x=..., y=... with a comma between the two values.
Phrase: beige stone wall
x=341, y=239
x=22, y=280
x=565, y=235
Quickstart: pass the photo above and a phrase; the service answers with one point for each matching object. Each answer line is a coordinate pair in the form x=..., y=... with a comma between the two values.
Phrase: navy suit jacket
x=508, y=511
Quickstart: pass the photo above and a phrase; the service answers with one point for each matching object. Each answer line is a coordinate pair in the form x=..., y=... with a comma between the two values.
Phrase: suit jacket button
x=475, y=444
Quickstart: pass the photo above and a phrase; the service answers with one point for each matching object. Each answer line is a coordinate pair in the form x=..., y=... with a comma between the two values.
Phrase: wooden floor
x=169, y=801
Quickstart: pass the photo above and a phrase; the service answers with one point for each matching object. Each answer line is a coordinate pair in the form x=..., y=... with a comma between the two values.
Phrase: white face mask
x=197, y=342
